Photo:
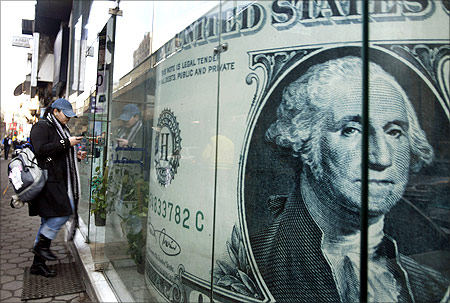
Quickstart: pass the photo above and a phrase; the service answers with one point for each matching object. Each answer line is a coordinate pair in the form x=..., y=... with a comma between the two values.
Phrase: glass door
x=409, y=61
x=98, y=137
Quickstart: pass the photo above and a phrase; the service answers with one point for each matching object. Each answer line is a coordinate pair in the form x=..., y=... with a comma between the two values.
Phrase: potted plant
x=135, y=193
x=99, y=205
x=136, y=238
x=128, y=194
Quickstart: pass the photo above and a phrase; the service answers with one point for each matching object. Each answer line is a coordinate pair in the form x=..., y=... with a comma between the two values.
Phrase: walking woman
x=55, y=150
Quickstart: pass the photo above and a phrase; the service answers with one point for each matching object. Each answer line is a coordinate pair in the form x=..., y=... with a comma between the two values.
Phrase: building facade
x=233, y=150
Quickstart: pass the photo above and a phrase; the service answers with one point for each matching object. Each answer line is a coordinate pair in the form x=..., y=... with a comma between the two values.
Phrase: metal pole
x=216, y=156
x=364, y=152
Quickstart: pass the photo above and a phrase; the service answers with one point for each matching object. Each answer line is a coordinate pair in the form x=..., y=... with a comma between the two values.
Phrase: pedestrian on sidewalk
x=55, y=150
x=6, y=145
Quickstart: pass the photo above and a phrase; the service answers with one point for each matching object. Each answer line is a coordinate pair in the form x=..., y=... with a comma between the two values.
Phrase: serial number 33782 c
x=174, y=213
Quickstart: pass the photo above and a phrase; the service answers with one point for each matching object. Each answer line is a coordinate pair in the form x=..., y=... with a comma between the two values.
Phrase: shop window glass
x=234, y=152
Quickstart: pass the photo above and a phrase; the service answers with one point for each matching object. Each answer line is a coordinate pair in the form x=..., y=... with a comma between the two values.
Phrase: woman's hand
x=81, y=155
x=74, y=140
x=122, y=142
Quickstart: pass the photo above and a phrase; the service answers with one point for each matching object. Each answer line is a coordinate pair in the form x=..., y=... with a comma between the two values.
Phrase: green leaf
x=240, y=288
x=227, y=281
x=235, y=238
x=247, y=281
x=227, y=269
x=218, y=273
x=242, y=257
x=232, y=254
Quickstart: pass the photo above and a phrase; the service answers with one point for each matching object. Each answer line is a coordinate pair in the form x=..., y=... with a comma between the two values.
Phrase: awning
x=45, y=72
x=23, y=88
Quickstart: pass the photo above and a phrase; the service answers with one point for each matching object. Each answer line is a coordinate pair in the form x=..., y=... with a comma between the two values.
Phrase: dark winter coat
x=51, y=153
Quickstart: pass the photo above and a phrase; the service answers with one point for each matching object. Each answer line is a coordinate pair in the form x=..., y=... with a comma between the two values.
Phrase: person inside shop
x=129, y=133
x=127, y=157
x=311, y=251
x=55, y=150
x=6, y=146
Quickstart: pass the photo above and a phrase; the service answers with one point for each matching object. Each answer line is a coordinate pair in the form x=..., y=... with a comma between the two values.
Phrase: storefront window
x=99, y=117
x=408, y=151
x=90, y=109
x=128, y=158
x=234, y=157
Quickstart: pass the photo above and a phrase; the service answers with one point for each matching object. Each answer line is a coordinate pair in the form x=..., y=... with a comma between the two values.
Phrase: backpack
x=26, y=177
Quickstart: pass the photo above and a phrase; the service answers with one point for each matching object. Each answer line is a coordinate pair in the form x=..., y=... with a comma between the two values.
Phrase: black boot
x=42, y=248
x=40, y=268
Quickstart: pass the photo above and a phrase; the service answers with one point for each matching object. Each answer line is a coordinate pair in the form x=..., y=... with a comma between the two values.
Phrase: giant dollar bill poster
x=256, y=176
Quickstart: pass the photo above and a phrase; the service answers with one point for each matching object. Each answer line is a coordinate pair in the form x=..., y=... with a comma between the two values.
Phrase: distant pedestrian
x=56, y=151
x=16, y=143
x=6, y=145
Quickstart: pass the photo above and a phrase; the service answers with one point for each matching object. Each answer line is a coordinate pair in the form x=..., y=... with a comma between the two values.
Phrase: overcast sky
x=13, y=58
x=170, y=18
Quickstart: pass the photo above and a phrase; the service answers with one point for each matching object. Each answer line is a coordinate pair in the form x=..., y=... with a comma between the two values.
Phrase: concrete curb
x=97, y=287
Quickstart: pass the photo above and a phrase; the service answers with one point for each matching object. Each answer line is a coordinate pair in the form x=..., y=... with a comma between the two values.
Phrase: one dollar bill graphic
x=256, y=183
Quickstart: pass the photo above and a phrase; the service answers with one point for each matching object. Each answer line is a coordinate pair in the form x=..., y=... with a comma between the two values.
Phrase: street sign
x=21, y=41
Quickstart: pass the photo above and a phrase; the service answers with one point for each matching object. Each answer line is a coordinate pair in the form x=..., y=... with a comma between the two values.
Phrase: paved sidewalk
x=17, y=234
